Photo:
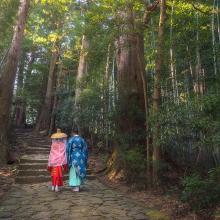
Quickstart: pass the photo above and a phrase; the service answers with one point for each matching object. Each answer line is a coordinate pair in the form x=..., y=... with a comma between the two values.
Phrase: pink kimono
x=57, y=161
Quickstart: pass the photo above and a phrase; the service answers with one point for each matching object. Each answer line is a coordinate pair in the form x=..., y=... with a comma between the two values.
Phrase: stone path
x=30, y=197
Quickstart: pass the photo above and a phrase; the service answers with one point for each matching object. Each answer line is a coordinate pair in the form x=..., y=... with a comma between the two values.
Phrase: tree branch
x=148, y=10
x=200, y=10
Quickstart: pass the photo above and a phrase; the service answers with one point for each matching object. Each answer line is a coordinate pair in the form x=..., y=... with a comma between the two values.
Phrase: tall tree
x=130, y=65
x=157, y=88
x=44, y=120
x=8, y=13
x=83, y=66
x=8, y=75
x=19, y=99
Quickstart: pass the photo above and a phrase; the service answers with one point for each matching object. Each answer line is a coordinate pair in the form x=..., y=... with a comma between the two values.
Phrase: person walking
x=57, y=161
x=77, y=155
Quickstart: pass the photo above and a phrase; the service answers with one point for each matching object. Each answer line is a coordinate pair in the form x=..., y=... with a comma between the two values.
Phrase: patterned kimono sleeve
x=68, y=151
x=85, y=150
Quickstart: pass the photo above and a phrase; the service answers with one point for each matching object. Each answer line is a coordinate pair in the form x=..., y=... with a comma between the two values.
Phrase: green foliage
x=133, y=163
x=49, y=21
x=89, y=113
x=190, y=132
x=202, y=195
x=64, y=114
x=8, y=12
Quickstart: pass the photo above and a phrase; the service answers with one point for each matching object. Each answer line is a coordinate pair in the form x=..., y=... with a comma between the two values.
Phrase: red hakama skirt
x=57, y=175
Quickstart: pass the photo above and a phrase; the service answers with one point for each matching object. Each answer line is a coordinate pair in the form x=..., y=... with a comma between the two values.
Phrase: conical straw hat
x=58, y=135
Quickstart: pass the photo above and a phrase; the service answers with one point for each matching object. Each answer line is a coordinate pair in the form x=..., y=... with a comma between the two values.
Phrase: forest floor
x=7, y=176
x=160, y=204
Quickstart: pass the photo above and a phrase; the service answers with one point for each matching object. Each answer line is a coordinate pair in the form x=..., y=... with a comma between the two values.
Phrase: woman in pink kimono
x=57, y=161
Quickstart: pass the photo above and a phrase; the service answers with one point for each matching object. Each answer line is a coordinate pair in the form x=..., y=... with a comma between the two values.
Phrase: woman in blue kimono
x=77, y=154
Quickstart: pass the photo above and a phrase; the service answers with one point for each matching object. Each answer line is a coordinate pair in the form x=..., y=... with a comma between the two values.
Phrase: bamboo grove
x=140, y=78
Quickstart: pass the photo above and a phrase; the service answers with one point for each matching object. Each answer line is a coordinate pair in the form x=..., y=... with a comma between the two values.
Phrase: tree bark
x=214, y=41
x=19, y=100
x=82, y=68
x=81, y=73
x=157, y=89
x=53, y=115
x=106, y=125
x=172, y=63
x=43, y=123
x=130, y=66
x=20, y=113
x=8, y=76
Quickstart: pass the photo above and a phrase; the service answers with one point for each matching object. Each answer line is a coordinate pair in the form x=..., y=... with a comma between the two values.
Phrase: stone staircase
x=33, y=163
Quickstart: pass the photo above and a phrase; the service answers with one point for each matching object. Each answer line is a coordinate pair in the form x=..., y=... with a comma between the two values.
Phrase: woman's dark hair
x=75, y=130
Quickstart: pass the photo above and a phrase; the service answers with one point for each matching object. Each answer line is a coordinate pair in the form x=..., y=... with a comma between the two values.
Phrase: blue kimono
x=77, y=155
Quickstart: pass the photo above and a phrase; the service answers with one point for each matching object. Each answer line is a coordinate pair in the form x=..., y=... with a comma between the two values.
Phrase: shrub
x=134, y=166
x=202, y=195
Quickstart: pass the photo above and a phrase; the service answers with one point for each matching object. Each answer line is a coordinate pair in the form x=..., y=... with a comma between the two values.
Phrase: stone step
x=43, y=145
x=90, y=177
x=89, y=171
x=32, y=166
x=41, y=142
x=27, y=164
x=35, y=165
x=40, y=179
x=40, y=172
x=31, y=140
x=37, y=148
x=30, y=161
x=23, y=135
x=35, y=156
x=37, y=143
x=37, y=152
x=32, y=179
